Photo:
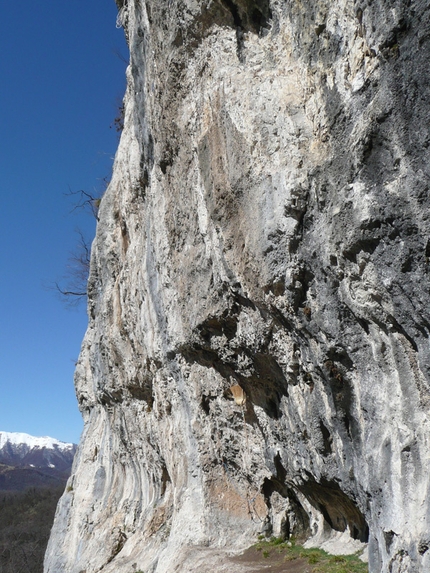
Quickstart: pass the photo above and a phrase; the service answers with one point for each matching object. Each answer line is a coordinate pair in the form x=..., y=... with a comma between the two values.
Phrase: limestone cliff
x=257, y=356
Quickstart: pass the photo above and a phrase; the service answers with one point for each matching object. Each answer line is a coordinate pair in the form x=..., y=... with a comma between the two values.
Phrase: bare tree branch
x=86, y=202
x=76, y=279
x=119, y=55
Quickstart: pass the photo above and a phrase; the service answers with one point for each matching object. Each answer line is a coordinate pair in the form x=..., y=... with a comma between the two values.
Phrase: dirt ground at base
x=271, y=561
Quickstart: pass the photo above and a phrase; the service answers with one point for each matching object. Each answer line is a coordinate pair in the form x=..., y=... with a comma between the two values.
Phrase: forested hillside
x=25, y=523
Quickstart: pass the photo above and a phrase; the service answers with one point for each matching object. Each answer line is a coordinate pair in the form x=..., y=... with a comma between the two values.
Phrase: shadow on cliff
x=265, y=383
x=241, y=15
x=374, y=136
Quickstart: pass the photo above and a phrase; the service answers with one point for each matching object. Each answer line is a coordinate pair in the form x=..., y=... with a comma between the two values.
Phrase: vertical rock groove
x=257, y=355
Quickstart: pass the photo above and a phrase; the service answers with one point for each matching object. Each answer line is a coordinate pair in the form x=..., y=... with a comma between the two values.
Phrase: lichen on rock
x=266, y=229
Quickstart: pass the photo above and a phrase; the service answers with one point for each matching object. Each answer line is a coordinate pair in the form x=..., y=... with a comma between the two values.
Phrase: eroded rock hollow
x=257, y=356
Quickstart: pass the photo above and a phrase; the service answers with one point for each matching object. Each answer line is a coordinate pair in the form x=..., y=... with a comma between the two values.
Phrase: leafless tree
x=74, y=286
x=86, y=201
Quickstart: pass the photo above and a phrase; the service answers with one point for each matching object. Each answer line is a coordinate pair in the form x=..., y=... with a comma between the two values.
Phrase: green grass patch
x=320, y=561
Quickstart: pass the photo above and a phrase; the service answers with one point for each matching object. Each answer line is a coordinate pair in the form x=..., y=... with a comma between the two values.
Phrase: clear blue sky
x=60, y=83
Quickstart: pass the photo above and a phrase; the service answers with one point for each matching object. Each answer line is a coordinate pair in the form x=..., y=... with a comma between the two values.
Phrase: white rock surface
x=266, y=226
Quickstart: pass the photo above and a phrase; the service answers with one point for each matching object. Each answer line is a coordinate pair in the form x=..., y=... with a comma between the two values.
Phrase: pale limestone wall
x=266, y=226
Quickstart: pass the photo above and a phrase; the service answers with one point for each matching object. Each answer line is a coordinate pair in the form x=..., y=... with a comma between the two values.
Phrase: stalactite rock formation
x=257, y=355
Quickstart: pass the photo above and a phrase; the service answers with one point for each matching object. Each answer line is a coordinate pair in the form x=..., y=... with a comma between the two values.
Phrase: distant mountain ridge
x=29, y=461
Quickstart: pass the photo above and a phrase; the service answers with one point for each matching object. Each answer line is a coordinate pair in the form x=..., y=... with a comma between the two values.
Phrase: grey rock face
x=257, y=355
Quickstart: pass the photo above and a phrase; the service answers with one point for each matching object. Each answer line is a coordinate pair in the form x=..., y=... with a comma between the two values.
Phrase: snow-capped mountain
x=17, y=449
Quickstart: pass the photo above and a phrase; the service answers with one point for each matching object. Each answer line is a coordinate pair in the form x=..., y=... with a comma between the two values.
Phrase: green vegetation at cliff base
x=319, y=560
